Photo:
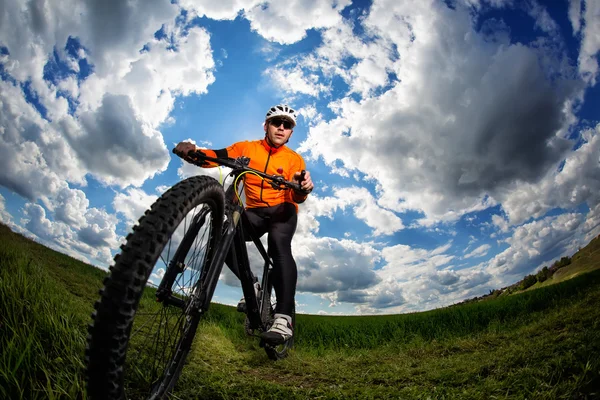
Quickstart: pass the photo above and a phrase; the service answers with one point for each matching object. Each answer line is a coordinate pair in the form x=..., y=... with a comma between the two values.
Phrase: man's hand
x=307, y=183
x=183, y=148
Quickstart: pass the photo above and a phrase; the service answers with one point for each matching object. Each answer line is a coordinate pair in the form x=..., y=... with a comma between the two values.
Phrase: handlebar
x=240, y=164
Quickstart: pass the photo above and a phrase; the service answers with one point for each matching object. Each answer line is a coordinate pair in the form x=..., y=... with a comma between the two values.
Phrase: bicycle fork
x=240, y=258
x=164, y=293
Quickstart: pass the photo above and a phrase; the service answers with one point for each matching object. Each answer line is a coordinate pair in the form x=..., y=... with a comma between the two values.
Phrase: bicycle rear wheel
x=140, y=337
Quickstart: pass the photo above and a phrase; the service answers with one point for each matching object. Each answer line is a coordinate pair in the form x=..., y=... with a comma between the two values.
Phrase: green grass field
x=539, y=344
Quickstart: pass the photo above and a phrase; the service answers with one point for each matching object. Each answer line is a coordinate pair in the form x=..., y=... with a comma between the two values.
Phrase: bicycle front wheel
x=140, y=336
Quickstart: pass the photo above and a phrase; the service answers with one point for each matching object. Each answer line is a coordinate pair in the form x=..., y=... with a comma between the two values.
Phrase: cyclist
x=268, y=210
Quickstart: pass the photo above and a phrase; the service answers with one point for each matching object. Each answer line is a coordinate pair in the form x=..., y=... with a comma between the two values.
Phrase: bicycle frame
x=194, y=217
x=233, y=240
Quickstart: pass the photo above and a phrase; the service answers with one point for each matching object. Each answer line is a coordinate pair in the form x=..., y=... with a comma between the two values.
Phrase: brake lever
x=244, y=160
x=278, y=182
x=240, y=162
x=198, y=157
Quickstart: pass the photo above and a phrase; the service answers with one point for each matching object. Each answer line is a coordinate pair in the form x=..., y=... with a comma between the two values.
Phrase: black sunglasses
x=278, y=121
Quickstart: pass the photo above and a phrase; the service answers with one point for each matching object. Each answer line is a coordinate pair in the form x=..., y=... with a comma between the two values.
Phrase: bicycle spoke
x=163, y=260
x=152, y=284
x=158, y=346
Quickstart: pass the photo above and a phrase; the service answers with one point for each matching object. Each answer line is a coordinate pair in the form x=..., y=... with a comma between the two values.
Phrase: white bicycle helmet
x=282, y=110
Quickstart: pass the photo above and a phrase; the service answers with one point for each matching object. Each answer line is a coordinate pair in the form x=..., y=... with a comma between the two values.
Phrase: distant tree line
x=542, y=275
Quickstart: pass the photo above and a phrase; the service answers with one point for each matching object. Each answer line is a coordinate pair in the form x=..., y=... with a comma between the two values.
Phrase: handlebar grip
x=196, y=157
x=300, y=190
x=298, y=186
x=189, y=153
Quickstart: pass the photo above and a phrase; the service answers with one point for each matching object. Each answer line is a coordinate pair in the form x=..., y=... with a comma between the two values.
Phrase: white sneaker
x=281, y=330
x=241, y=307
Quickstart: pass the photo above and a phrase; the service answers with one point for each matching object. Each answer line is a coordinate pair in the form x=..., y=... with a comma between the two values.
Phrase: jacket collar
x=269, y=148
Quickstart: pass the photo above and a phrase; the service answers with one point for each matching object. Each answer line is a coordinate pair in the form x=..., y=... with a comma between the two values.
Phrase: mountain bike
x=141, y=330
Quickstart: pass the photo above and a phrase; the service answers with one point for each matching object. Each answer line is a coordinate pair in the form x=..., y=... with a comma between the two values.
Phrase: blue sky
x=454, y=144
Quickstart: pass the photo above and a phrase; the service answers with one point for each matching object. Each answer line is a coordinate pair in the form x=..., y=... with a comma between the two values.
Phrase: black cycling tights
x=280, y=223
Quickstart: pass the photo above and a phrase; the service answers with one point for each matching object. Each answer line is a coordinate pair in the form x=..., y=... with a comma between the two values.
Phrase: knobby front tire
x=138, y=340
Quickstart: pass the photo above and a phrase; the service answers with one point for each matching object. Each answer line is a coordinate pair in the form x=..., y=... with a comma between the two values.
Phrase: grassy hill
x=539, y=344
x=585, y=260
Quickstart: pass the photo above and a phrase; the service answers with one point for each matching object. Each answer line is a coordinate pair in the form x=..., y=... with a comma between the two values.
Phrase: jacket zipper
x=262, y=181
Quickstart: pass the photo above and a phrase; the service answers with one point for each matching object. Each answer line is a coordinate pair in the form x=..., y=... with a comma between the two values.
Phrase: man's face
x=278, y=130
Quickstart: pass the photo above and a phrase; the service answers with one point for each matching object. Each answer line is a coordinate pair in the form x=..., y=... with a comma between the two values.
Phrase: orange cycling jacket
x=271, y=160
